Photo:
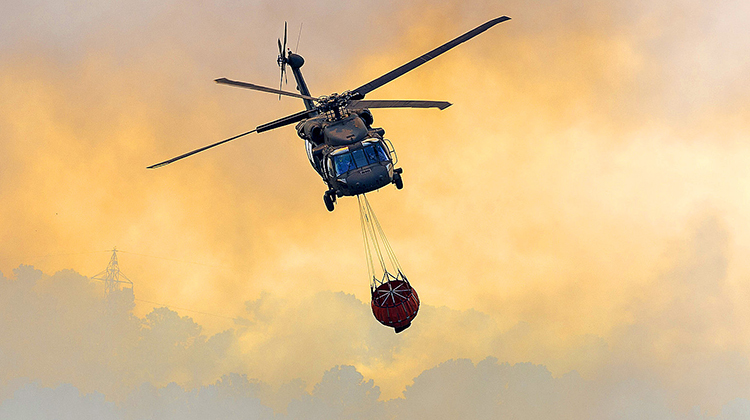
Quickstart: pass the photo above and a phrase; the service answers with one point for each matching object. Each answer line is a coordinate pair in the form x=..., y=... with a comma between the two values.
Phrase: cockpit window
x=372, y=156
x=359, y=158
x=368, y=155
x=343, y=163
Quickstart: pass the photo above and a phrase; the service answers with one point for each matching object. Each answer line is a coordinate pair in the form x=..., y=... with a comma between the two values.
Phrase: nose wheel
x=397, y=178
x=329, y=198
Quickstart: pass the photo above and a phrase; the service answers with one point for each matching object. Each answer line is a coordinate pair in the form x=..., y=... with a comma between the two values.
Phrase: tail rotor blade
x=282, y=60
x=284, y=35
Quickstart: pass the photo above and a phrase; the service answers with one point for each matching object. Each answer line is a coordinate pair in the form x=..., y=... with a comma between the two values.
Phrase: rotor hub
x=334, y=101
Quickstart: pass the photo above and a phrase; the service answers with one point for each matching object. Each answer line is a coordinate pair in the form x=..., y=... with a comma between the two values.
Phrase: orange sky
x=559, y=213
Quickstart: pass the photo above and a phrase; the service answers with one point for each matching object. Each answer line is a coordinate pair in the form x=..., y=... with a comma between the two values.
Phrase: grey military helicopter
x=351, y=155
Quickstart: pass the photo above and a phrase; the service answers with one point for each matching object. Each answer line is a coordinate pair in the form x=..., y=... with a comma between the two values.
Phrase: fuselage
x=349, y=154
x=351, y=157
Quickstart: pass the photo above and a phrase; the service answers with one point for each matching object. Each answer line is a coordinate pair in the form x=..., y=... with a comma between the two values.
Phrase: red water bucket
x=395, y=304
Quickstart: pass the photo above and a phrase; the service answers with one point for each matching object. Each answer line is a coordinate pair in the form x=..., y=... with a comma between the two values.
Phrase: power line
x=175, y=259
x=53, y=255
x=26, y=257
x=185, y=309
x=139, y=254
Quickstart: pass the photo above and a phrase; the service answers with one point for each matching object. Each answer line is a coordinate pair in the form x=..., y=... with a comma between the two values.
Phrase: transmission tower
x=112, y=277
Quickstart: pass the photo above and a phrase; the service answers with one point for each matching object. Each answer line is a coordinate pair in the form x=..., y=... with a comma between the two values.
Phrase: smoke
x=687, y=334
x=681, y=355
x=64, y=402
x=59, y=329
x=457, y=388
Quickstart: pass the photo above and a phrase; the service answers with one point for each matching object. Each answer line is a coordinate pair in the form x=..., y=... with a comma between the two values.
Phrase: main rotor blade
x=398, y=104
x=411, y=65
x=246, y=85
x=167, y=162
x=289, y=119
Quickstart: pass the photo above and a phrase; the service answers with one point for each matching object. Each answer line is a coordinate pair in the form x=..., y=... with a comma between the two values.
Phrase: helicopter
x=350, y=155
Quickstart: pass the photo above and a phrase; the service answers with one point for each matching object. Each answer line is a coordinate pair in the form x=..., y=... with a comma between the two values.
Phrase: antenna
x=296, y=49
x=112, y=277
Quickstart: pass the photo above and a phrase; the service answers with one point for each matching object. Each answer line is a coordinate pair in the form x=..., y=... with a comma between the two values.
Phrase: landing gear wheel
x=328, y=200
x=398, y=181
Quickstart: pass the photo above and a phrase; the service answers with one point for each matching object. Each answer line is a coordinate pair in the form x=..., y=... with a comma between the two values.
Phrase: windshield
x=359, y=158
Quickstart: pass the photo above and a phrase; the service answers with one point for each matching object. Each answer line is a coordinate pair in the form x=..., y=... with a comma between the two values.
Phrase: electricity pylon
x=112, y=277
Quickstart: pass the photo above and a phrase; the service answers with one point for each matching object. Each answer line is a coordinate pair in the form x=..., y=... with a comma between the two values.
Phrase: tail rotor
x=282, y=60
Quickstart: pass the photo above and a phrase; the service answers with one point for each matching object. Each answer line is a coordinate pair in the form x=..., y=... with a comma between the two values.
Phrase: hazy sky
x=577, y=219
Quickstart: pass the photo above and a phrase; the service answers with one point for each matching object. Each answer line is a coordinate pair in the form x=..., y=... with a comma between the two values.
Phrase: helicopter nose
x=368, y=179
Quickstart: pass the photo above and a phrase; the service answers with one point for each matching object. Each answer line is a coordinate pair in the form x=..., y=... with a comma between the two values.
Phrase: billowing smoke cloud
x=60, y=329
x=688, y=331
x=62, y=402
x=680, y=357
x=454, y=389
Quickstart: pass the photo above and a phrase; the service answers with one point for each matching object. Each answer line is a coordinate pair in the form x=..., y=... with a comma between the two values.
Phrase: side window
x=382, y=153
x=359, y=158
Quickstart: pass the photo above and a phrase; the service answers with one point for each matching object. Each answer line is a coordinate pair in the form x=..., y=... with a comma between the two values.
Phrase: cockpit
x=344, y=162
